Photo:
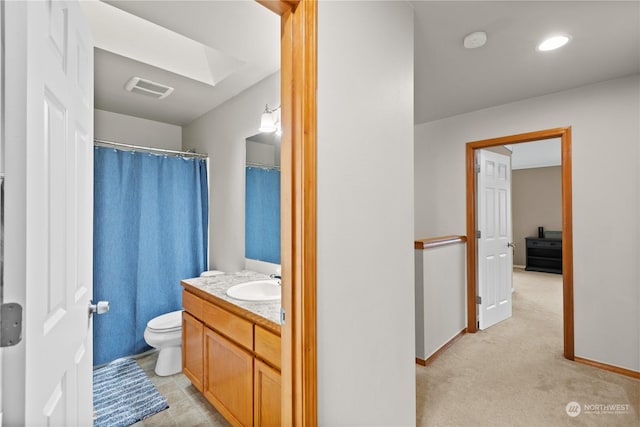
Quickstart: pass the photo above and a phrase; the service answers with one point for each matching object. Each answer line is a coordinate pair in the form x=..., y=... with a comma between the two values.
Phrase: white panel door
x=59, y=212
x=2, y=170
x=495, y=253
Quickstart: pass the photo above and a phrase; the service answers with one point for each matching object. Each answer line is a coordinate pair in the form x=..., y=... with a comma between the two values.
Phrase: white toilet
x=165, y=333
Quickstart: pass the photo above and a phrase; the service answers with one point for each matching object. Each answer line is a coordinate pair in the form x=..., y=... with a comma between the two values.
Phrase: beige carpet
x=514, y=374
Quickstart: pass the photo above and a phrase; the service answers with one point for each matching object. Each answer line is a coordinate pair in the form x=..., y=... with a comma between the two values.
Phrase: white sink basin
x=258, y=290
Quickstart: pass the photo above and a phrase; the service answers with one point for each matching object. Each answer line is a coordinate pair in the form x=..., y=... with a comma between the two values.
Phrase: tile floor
x=187, y=407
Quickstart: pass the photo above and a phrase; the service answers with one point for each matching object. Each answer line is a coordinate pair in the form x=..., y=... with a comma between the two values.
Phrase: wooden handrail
x=434, y=242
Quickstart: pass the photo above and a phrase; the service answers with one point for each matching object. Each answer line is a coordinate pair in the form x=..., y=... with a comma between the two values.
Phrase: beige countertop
x=214, y=289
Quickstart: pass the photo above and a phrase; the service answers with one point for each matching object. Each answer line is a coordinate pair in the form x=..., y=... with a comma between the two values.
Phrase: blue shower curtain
x=150, y=231
x=262, y=214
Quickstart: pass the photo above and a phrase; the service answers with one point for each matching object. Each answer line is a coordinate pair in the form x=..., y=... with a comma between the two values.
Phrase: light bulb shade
x=267, y=123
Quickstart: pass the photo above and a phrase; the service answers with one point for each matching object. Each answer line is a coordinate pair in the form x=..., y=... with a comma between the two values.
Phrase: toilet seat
x=169, y=322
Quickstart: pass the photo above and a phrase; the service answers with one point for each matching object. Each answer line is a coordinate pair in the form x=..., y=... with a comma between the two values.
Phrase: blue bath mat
x=123, y=395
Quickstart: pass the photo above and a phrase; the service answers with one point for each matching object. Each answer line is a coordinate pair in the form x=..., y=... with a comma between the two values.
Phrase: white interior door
x=495, y=252
x=59, y=212
x=2, y=137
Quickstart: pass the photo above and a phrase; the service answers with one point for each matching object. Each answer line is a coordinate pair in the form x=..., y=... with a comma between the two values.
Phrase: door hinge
x=478, y=299
x=477, y=167
x=10, y=324
x=282, y=315
x=478, y=234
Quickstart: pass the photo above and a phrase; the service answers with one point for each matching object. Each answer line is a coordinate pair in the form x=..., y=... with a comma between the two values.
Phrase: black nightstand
x=544, y=255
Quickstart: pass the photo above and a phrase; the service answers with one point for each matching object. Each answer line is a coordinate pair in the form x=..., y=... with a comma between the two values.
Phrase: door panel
x=267, y=396
x=228, y=378
x=192, y=350
x=495, y=256
x=59, y=215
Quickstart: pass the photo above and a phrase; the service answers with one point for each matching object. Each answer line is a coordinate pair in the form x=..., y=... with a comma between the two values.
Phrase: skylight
x=122, y=33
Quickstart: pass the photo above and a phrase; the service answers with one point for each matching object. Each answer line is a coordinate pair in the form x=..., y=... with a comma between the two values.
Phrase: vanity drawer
x=234, y=327
x=267, y=346
x=192, y=304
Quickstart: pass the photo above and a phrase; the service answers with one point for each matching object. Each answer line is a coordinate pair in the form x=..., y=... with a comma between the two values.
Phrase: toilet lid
x=166, y=322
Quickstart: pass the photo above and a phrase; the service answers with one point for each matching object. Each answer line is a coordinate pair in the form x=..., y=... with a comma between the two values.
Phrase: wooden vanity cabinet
x=266, y=395
x=228, y=382
x=232, y=361
x=193, y=340
x=267, y=346
x=267, y=383
x=192, y=350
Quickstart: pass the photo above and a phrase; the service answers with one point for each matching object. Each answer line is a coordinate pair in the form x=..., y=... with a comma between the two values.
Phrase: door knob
x=511, y=245
x=100, y=308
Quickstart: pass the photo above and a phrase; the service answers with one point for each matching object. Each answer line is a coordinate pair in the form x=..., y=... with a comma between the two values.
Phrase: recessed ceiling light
x=553, y=43
x=474, y=40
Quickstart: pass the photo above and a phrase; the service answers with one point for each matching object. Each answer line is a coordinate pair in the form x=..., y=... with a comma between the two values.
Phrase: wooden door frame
x=298, y=50
x=567, y=226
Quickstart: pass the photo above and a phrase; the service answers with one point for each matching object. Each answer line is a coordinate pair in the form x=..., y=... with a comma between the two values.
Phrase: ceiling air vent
x=147, y=87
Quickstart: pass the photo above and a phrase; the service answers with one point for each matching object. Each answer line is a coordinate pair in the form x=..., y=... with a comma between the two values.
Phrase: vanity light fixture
x=553, y=43
x=270, y=120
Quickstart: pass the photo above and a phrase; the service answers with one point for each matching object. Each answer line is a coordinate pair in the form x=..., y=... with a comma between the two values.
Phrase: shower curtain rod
x=150, y=149
x=262, y=165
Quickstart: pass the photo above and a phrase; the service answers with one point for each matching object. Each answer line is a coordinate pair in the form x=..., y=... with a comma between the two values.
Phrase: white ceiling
x=245, y=33
x=536, y=154
x=449, y=79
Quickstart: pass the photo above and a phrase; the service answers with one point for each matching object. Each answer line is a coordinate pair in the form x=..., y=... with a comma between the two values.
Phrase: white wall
x=441, y=289
x=365, y=289
x=606, y=199
x=221, y=133
x=262, y=154
x=136, y=131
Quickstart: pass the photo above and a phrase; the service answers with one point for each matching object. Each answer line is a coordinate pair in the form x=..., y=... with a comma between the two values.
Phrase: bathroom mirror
x=262, y=198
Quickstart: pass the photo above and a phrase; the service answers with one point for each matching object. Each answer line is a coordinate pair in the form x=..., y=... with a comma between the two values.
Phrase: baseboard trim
x=439, y=351
x=606, y=367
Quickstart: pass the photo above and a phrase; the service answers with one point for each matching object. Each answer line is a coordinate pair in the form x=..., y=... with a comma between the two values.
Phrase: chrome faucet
x=277, y=277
